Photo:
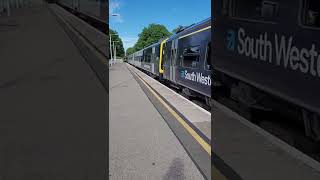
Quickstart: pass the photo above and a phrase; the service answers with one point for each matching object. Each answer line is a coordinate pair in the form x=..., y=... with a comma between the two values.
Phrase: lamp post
x=115, y=50
x=110, y=41
x=110, y=46
x=110, y=34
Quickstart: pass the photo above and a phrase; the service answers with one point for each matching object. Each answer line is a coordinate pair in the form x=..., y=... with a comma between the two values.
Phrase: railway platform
x=252, y=153
x=151, y=135
x=53, y=108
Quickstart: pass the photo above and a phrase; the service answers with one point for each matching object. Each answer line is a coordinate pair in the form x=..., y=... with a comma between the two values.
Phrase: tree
x=118, y=43
x=151, y=34
x=130, y=50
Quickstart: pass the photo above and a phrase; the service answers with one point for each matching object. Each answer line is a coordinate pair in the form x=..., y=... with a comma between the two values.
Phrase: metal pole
x=114, y=55
x=110, y=47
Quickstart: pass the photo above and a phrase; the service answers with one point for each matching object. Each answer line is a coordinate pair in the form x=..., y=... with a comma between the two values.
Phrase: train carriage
x=266, y=57
x=138, y=58
x=130, y=59
x=182, y=60
x=186, y=62
x=150, y=62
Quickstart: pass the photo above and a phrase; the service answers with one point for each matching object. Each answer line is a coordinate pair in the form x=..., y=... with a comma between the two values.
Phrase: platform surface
x=141, y=144
x=53, y=108
x=198, y=116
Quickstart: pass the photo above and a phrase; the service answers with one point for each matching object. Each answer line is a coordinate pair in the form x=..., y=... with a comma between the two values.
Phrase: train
x=182, y=60
x=95, y=10
x=266, y=58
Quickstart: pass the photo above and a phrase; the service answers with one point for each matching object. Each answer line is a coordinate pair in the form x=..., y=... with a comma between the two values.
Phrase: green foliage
x=130, y=50
x=149, y=35
x=118, y=43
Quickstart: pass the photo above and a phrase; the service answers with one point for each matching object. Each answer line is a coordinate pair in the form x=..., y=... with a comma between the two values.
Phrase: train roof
x=195, y=25
x=192, y=27
x=186, y=30
x=154, y=44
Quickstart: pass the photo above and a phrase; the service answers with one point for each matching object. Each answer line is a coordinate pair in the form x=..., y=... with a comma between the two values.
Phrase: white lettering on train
x=281, y=52
x=196, y=77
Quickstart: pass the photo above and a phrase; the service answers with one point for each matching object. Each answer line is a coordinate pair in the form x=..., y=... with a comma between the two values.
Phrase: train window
x=157, y=54
x=191, y=57
x=311, y=13
x=251, y=9
x=147, y=55
x=208, y=58
x=149, y=58
x=145, y=58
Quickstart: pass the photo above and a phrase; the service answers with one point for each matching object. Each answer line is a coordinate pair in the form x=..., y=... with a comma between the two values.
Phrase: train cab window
x=311, y=13
x=208, y=58
x=191, y=57
x=261, y=10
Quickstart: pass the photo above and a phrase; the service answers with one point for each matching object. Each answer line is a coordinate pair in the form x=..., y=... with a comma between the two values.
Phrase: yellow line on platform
x=215, y=173
x=193, y=133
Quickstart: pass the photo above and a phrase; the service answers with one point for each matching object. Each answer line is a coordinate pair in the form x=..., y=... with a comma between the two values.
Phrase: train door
x=173, y=59
x=161, y=58
x=157, y=60
x=167, y=60
x=140, y=58
x=153, y=59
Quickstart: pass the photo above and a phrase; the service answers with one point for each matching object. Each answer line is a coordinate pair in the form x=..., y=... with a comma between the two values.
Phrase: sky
x=134, y=15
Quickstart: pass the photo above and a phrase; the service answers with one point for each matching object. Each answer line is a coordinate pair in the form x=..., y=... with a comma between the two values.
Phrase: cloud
x=114, y=7
x=129, y=41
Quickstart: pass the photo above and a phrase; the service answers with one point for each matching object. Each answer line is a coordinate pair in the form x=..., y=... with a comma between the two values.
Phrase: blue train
x=266, y=58
x=182, y=60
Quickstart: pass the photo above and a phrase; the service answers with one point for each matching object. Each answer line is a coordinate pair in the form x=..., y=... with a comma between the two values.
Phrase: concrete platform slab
x=142, y=145
x=195, y=114
x=53, y=109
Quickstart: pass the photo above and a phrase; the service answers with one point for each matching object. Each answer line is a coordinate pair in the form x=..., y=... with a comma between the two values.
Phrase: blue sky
x=133, y=15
